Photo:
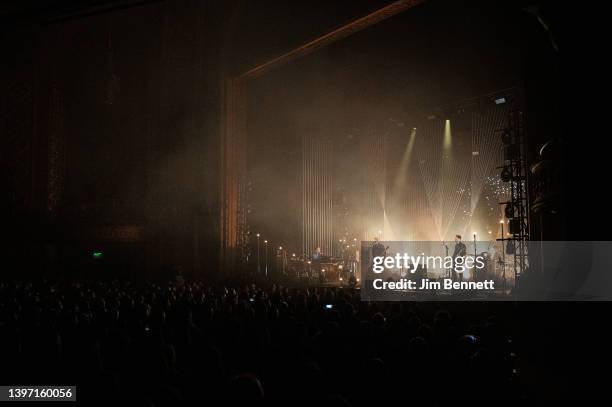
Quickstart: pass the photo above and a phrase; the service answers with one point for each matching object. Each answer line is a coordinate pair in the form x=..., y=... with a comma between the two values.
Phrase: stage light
x=500, y=101
x=403, y=169
x=97, y=255
x=447, y=135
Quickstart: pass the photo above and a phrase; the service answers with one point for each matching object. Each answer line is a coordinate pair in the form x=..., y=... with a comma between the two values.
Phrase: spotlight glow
x=447, y=135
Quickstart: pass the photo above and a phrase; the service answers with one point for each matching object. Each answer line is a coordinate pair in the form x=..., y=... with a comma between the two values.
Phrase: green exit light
x=96, y=254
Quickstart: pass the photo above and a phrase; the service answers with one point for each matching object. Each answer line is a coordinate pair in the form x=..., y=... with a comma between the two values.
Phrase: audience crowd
x=189, y=343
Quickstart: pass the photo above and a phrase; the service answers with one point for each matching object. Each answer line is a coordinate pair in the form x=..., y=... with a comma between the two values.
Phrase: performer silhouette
x=459, y=252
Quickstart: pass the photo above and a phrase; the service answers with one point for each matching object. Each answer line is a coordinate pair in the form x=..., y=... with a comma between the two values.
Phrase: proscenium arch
x=233, y=126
